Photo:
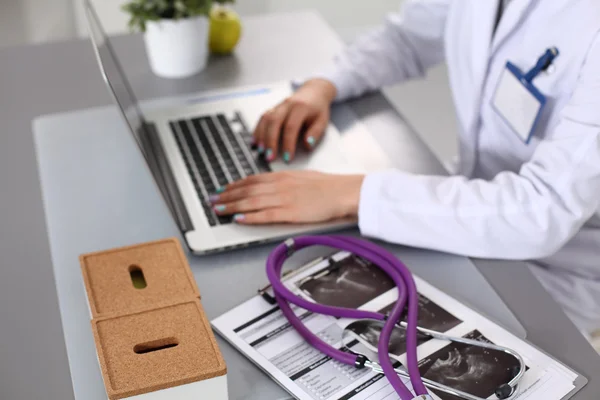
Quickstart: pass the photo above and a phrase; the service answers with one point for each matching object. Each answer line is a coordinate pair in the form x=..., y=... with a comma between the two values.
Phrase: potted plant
x=175, y=33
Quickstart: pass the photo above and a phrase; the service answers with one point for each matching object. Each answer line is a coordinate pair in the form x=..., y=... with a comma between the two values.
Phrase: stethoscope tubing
x=435, y=385
x=407, y=298
x=407, y=291
x=438, y=335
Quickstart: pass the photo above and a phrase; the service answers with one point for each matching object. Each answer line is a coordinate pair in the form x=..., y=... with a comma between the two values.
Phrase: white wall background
x=35, y=21
x=347, y=17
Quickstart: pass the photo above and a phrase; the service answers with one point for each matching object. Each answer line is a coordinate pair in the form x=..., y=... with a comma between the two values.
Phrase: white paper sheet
x=261, y=332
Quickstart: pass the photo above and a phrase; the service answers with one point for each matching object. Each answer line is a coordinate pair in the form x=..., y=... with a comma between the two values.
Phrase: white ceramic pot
x=177, y=48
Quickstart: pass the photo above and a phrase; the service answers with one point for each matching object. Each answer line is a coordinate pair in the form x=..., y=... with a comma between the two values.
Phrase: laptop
x=193, y=149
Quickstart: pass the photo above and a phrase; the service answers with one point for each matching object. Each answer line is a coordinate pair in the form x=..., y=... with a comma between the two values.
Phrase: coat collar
x=514, y=15
x=489, y=38
x=486, y=41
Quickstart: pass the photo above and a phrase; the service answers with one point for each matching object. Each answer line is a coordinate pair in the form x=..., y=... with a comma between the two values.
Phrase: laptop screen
x=128, y=105
x=114, y=76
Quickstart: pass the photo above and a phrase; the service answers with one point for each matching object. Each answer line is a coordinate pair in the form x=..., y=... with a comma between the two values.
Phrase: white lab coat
x=509, y=200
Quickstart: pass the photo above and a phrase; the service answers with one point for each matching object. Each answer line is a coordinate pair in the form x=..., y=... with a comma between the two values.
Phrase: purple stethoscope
x=407, y=299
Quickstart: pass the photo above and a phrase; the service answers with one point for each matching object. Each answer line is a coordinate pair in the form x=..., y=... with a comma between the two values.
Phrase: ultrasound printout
x=260, y=331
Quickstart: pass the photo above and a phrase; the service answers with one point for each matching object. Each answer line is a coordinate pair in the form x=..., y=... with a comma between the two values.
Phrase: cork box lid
x=137, y=277
x=156, y=349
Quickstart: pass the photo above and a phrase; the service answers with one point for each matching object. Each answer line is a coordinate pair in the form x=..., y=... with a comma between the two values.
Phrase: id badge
x=518, y=102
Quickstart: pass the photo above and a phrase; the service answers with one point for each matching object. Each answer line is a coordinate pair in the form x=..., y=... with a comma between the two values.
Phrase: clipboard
x=325, y=264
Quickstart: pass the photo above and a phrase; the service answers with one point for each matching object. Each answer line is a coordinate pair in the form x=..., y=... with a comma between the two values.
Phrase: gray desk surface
x=110, y=200
x=38, y=80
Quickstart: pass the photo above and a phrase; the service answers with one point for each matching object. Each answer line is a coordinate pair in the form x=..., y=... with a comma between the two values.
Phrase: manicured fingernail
x=220, y=189
x=239, y=217
x=286, y=157
x=214, y=198
x=220, y=208
x=269, y=154
x=260, y=148
x=311, y=141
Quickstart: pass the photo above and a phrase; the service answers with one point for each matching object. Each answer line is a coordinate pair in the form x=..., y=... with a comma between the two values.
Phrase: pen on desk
x=232, y=95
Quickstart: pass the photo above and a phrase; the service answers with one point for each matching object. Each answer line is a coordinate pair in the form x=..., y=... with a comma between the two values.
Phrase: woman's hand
x=290, y=197
x=306, y=110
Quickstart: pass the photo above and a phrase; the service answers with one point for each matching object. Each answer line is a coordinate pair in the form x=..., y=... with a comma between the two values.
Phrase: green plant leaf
x=142, y=11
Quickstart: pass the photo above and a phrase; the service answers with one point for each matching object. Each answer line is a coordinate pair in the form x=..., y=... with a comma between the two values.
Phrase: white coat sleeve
x=407, y=45
x=525, y=215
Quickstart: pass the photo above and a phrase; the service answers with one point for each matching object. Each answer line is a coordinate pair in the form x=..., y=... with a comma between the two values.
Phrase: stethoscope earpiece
x=504, y=391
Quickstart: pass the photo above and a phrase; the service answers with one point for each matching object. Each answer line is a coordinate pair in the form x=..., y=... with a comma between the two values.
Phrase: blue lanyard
x=543, y=63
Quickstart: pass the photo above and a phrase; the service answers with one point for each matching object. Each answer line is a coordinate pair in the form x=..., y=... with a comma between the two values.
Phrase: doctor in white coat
x=536, y=200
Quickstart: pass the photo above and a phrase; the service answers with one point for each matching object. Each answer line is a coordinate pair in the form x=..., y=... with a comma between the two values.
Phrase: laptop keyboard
x=216, y=155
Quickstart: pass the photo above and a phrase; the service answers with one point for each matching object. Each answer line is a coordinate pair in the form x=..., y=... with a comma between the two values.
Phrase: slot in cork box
x=153, y=339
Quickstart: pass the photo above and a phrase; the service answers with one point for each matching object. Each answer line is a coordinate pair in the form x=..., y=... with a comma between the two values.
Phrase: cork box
x=152, y=336
x=138, y=277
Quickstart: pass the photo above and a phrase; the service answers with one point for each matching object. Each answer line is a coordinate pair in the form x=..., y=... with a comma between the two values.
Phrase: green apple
x=225, y=30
